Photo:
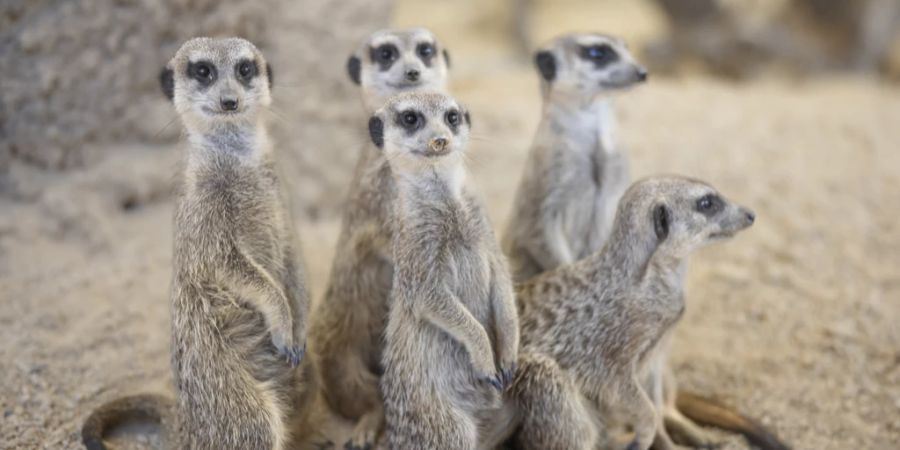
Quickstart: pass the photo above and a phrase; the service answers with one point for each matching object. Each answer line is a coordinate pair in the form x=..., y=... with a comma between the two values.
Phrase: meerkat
x=347, y=325
x=452, y=336
x=238, y=296
x=592, y=331
x=391, y=61
x=576, y=170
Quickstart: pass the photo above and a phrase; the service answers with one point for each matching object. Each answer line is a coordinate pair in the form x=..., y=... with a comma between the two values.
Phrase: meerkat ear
x=269, y=75
x=376, y=131
x=354, y=68
x=167, y=82
x=661, y=220
x=447, y=58
x=468, y=118
x=546, y=64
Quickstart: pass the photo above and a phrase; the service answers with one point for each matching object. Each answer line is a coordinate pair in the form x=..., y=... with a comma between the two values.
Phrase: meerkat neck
x=433, y=184
x=593, y=118
x=247, y=143
x=626, y=251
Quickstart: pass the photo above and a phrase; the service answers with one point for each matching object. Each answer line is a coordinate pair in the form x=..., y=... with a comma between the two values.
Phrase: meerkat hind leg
x=366, y=430
x=553, y=415
x=682, y=429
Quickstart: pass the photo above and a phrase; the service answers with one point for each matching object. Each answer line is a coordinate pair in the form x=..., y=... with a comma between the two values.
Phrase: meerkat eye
x=709, y=204
x=387, y=53
x=596, y=53
x=246, y=69
x=410, y=118
x=203, y=71
x=425, y=50
x=453, y=118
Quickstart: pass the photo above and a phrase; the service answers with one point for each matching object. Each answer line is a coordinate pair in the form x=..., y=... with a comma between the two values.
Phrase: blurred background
x=790, y=107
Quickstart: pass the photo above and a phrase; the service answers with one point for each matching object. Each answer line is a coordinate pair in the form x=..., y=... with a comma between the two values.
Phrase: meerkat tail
x=155, y=407
x=709, y=413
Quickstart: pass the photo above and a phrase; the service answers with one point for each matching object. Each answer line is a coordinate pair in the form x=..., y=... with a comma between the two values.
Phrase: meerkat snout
x=229, y=104
x=438, y=146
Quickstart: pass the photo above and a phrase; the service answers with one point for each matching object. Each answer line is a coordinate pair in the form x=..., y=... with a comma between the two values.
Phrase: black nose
x=750, y=216
x=412, y=74
x=229, y=104
x=642, y=74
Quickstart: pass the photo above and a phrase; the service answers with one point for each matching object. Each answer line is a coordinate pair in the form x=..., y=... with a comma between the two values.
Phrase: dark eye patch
x=384, y=55
x=710, y=205
x=601, y=55
x=410, y=120
x=245, y=71
x=453, y=118
x=426, y=51
x=204, y=72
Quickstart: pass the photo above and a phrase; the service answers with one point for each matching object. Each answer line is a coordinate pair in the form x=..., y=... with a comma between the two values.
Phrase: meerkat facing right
x=452, y=336
x=347, y=325
x=576, y=170
x=592, y=330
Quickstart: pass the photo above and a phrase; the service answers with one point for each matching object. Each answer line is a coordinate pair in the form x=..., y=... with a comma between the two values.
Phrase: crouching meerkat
x=347, y=325
x=238, y=296
x=592, y=331
x=452, y=335
x=576, y=170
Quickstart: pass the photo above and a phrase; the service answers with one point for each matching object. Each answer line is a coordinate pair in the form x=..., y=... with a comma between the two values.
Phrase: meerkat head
x=679, y=214
x=394, y=61
x=587, y=64
x=418, y=130
x=217, y=81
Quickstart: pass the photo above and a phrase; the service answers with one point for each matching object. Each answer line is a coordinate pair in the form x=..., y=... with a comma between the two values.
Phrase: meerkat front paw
x=288, y=348
x=508, y=374
x=495, y=380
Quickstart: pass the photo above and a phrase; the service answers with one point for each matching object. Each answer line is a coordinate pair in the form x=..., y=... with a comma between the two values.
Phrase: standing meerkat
x=452, y=335
x=347, y=325
x=576, y=170
x=592, y=331
x=238, y=295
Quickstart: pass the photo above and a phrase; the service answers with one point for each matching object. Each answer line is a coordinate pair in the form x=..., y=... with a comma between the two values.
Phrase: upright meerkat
x=238, y=296
x=576, y=170
x=452, y=336
x=347, y=325
x=593, y=331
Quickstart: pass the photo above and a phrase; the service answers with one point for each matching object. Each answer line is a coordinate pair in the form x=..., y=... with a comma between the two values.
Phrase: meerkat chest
x=468, y=273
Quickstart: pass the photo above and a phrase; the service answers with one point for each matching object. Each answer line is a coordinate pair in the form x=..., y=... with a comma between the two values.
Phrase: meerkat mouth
x=432, y=153
x=216, y=112
x=405, y=84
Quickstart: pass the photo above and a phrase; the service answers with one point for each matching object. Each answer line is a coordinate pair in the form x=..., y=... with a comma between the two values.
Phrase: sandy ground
x=793, y=322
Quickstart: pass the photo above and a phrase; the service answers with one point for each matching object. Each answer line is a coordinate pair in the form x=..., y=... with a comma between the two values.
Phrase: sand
x=792, y=322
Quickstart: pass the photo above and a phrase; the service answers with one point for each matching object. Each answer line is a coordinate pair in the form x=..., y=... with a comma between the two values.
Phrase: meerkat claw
x=494, y=380
x=508, y=375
